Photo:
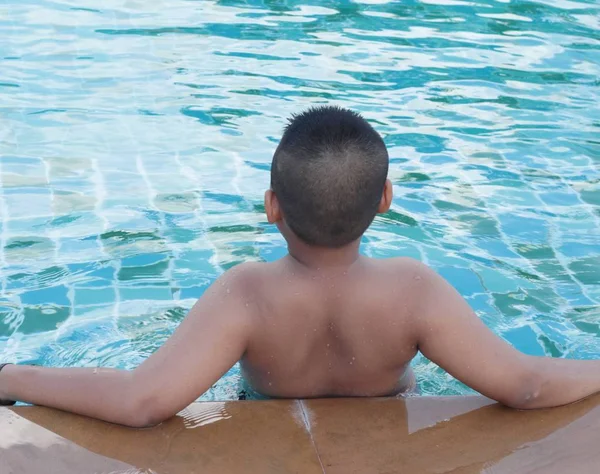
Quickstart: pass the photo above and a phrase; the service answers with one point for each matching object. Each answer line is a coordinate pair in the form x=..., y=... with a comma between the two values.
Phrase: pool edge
x=420, y=434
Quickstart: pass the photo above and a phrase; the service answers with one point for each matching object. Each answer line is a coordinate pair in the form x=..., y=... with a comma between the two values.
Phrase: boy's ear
x=386, y=197
x=272, y=207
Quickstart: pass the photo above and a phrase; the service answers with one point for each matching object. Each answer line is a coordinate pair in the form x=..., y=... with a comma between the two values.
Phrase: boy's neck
x=323, y=257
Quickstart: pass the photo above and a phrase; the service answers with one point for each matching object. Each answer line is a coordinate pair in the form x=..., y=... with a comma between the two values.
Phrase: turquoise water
x=136, y=138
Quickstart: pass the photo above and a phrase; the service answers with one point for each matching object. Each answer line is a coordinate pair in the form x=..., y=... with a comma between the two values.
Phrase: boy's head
x=328, y=177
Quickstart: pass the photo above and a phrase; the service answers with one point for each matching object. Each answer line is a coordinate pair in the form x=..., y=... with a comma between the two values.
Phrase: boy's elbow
x=527, y=395
x=143, y=413
x=141, y=419
x=522, y=401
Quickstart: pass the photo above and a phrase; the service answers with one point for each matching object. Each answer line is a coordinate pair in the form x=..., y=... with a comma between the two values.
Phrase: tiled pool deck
x=459, y=435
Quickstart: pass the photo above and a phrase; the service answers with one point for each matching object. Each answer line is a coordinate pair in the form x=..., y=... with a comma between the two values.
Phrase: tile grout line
x=307, y=425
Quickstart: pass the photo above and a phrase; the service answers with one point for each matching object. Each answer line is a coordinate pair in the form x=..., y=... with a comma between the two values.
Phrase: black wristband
x=5, y=403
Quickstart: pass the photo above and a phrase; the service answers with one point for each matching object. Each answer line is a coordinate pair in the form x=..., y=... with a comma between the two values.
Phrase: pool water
x=136, y=139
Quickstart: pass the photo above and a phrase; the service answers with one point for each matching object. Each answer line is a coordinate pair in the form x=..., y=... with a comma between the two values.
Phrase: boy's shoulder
x=402, y=267
x=245, y=274
x=402, y=278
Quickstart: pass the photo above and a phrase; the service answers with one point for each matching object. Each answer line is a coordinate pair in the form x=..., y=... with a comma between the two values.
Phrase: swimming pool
x=135, y=145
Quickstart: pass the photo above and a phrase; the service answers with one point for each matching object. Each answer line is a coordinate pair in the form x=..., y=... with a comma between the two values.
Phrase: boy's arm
x=211, y=339
x=451, y=335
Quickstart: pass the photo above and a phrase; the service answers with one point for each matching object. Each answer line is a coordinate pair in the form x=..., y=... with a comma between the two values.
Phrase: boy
x=322, y=321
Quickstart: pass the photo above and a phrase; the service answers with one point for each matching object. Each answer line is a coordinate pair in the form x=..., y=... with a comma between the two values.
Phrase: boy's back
x=341, y=331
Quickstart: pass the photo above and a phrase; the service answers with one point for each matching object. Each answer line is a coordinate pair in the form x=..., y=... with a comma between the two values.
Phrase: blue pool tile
x=57, y=295
x=28, y=204
x=89, y=247
x=192, y=292
x=271, y=253
x=151, y=272
x=578, y=249
x=524, y=228
x=524, y=339
x=438, y=159
x=43, y=318
x=94, y=296
x=464, y=280
x=559, y=332
x=497, y=248
x=196, y=261
x=93, y=274
x=496, y=282
x=190, y=279
x=412, y=205
x=144, y=259
x=513, y=196
x=560, y=199
x=149, y=293
x=440, y=257
x=482, y=305
x=95, y=312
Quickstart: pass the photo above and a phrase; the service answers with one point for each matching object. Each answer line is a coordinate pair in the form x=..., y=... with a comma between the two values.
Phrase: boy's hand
x=451, y=335
x=4, y=402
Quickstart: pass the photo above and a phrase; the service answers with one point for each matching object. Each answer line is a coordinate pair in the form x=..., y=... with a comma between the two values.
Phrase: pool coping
x=459, y=435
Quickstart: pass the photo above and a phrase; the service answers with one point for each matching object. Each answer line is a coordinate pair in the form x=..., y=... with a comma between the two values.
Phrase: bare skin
x=319, y=322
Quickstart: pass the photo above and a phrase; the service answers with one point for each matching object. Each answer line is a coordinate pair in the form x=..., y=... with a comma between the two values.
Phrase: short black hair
x=329, y=173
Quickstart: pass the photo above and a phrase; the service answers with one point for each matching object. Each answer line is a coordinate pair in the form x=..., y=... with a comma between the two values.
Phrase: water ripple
x=135, y=146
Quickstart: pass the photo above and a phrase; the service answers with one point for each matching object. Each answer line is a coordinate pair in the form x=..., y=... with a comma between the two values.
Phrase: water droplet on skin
x=351, y=362
x=247, y=304
x=327, y=345
x=270, y=384
x=95, y=371
x=268, y=373
x=228, y=290
x=417, y=277
x=353, y=358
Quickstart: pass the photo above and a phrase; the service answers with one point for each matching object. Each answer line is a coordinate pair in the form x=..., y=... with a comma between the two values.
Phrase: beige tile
x=238, y=437
x=461, y=435
x=571, y=449
x=26, y=447
x=436, y=435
